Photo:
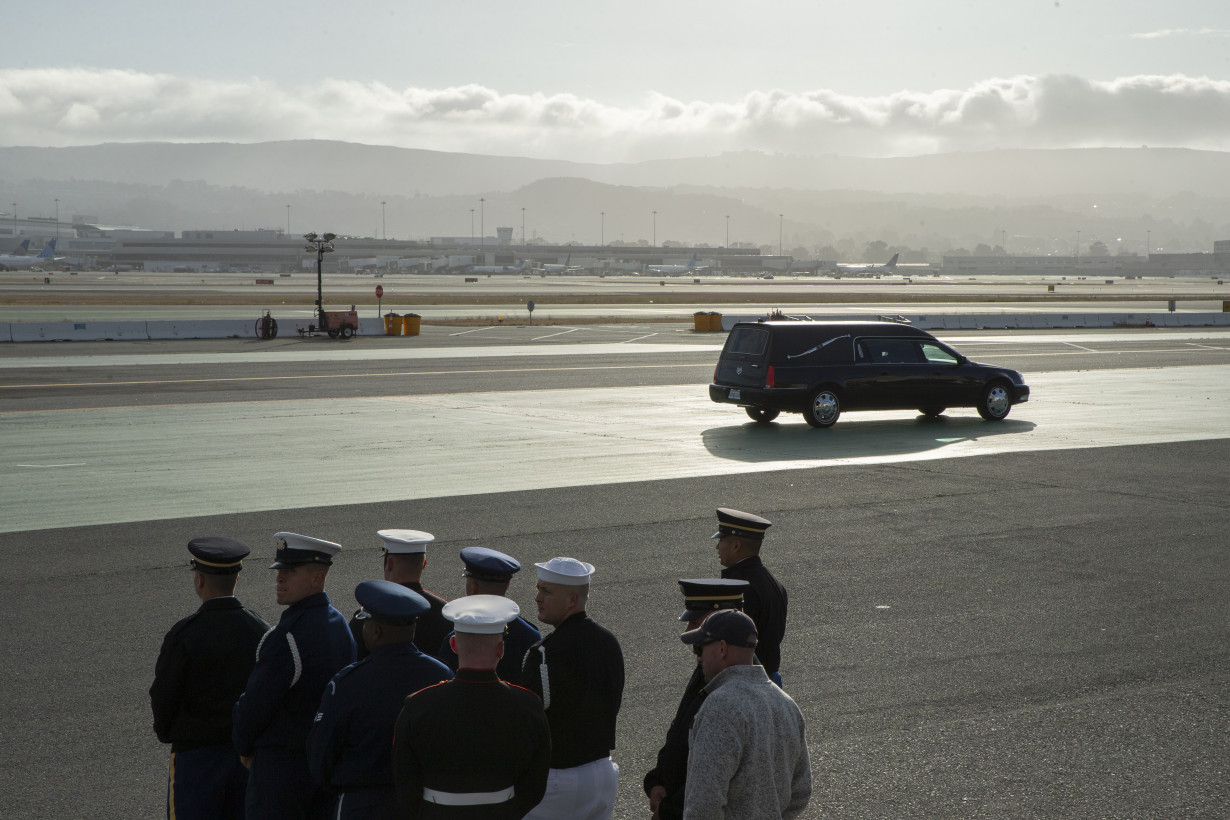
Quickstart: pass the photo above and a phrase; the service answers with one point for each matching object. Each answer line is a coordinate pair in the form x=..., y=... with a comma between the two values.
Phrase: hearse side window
x=935, y=354
x=888, y=351
x=748, y=341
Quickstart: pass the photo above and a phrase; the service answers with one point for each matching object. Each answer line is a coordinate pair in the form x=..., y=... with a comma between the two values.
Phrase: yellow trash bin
x=411, y=323
x=700, y=321
x=715, y=321
x=392, y=324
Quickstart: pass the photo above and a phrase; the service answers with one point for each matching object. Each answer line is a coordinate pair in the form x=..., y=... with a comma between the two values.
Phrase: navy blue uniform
x=350, y=749
x=294, y=662
x=672, y=770
x=585, y=684
x=765, y=602
x=475, y=733
x=201, y=671
x=521, y=635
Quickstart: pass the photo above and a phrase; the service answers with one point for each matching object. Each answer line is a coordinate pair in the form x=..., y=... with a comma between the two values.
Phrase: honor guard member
x=578, y=671
x=489, y=572
x=405, y=558
x=201, y=671
x=664, y=785
x=739, y=538
x=350, y=749
x=294, y=662
x=475, y=747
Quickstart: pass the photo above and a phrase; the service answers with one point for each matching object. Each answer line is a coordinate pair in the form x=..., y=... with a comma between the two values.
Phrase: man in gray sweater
x=748, y=755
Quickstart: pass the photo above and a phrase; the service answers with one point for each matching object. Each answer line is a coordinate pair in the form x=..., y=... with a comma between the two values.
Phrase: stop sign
x=379, y=291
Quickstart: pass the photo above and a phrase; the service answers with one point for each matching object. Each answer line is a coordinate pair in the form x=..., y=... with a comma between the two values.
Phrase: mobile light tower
x=333, y=322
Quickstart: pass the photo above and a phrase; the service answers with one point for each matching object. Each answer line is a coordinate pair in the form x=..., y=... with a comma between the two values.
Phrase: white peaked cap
x=568, y=571
x=405, y=542
x=481, y=614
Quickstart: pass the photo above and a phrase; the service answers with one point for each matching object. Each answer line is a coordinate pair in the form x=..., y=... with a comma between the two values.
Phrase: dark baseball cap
x=728, y=625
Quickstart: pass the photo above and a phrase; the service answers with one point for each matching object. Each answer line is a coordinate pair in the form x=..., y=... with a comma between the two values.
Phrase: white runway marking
x=184, y=460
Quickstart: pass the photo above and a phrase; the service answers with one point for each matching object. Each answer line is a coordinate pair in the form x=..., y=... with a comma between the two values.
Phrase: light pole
x=320, y=246
x=655, y=227
x=728, y=230
x=471, y=227
x=482, y=230
x=602, y=233
x=288, y=220
x=384, y=227
x=1148, y=244
x=523, y=227
x=57, y=218
x=14, y=220
x=779, y=234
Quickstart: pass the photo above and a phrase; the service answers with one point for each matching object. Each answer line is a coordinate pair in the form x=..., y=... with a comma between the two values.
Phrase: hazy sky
x=626, y=80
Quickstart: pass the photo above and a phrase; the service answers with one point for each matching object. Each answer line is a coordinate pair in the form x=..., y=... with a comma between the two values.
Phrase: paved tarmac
x=1024, y=631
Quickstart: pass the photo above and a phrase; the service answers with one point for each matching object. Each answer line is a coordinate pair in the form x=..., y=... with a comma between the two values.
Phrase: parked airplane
x=888, y=267
x=47, y=256
x=496, y=268
x=564, y=268
x=688, y=268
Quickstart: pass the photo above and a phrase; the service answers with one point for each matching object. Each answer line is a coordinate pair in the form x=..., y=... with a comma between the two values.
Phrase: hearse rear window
x=747, y=341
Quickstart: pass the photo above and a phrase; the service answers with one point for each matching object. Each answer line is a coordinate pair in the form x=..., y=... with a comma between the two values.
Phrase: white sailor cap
x=481, y=614
x=568, y=571
x=295, y=550
x=405, y=542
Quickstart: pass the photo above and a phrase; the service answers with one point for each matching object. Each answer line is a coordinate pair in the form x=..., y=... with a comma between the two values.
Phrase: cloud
x=1182, y=32
x=80, y=106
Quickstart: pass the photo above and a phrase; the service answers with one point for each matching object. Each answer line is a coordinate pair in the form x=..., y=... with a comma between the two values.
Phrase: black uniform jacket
x=475, y=733
x=201, y=671
x=765, y=603
x=672, y=770
x=430, y=629
x=581, y=689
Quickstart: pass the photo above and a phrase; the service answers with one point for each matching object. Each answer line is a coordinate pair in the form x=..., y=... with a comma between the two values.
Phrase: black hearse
x=820, y=369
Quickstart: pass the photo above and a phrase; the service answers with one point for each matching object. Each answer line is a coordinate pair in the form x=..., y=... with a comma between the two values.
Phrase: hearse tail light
x=768, y=377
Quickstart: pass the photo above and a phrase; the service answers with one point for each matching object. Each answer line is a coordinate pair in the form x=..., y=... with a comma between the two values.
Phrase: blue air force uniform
x=294, y=662
x=350, y=749
x=491, y=566
x=201, y=671
x=475, y=747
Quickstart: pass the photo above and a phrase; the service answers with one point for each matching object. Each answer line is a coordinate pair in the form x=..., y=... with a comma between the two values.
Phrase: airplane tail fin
x=49, y=250
x=22, y=248
x=692, y=262
x=892, y=263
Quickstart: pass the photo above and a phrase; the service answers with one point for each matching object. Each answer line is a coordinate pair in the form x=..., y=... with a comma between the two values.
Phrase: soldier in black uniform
x=405, y=558
x=664, y=784
x=350, y=749
x=578, y=671
x=489, y=572
x=475, y=747
x=201, y=671
x=739, y=538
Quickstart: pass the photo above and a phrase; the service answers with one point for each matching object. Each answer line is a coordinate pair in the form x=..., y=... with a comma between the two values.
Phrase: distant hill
x=317, y=165
x=1034, y=201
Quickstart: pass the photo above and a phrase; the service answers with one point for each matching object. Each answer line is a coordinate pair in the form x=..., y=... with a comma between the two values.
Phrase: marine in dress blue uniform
x=578, y=671
x=475, y=747
x=294, y=662
x=665, y=782
x=350, y=748
x=490, y=572
x=405, y=558
x=201, y=671
x=739, y=539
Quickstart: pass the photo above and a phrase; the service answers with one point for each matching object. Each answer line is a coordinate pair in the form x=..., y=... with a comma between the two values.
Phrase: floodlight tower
x=320, y=246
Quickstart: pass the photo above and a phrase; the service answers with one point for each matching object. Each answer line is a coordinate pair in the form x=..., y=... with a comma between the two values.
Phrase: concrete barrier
x=76, y=331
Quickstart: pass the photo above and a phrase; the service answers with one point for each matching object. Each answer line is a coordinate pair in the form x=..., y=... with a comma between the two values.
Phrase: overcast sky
x=626, y=80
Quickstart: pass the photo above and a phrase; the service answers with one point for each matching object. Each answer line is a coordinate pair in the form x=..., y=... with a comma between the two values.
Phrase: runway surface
x=1024, y=619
